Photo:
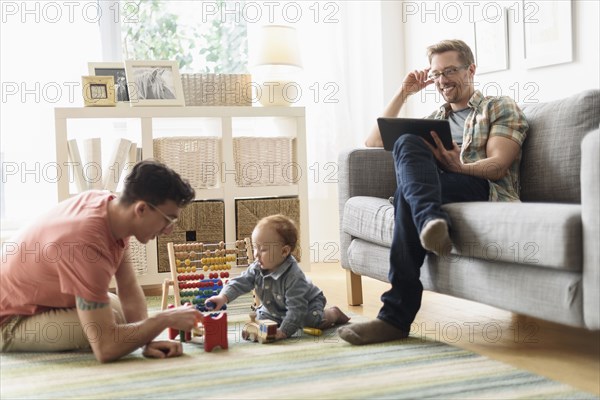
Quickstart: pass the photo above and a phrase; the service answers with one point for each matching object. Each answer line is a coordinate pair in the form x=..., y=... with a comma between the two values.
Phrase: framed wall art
x=117, y=71
x=491, y=44
x=98, y=91
x=548, y=34
x=154, y=83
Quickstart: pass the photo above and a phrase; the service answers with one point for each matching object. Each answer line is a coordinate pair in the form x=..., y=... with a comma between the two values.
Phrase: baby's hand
x=280, y=335
x=217, y=301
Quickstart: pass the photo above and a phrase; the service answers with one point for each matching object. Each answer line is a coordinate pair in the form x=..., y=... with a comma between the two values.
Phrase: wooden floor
x=558, y=352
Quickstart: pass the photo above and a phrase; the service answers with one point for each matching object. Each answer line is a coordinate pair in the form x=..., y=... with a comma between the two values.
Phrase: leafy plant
x=217, y=46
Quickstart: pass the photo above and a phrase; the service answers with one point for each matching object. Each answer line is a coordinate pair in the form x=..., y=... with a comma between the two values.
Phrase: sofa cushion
x=551, y=161
x=368, y=259
x=369, y=218
x=539, y=234
x=546, y=235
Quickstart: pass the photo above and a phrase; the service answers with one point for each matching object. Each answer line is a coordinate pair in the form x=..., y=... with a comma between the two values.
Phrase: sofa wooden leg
x=354, y=288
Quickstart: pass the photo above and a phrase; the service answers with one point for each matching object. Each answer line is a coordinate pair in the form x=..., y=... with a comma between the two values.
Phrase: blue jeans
x=422, y=189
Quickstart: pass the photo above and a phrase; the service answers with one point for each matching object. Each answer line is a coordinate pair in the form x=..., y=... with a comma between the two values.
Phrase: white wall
x=425, y=23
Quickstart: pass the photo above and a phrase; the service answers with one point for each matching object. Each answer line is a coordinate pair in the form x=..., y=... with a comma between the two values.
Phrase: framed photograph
x=117, y=71
x=98, y=91
x=154, y=83
x=547, y=29
x=491, y=44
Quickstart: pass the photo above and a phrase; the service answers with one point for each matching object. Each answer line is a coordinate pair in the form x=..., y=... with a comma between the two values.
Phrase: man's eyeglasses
x=172, y=221
x=435, y=75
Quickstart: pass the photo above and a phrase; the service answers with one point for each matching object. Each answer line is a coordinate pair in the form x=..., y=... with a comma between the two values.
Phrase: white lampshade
x=277, y=45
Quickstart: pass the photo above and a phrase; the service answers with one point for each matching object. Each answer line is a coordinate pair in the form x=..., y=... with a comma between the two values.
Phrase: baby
x=288, y=298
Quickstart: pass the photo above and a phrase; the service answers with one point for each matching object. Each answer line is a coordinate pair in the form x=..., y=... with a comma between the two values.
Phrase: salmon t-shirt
x=69, y=252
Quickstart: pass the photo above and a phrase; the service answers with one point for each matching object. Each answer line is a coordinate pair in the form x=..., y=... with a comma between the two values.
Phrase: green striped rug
x=301, y=367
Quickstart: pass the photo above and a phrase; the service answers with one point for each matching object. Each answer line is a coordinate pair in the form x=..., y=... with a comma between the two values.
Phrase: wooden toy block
x=263, y=331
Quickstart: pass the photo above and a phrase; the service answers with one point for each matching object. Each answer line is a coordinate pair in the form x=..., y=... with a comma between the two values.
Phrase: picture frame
x=154, y=83
x=117, y=71
x=547, y=32
x=98, y=91
x=491, y=44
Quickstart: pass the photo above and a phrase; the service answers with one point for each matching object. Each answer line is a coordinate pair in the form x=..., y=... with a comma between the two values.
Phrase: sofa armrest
x=590, y=216
x=362, y=172
x=366, y=172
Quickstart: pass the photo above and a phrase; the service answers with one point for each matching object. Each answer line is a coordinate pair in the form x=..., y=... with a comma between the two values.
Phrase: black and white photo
x=154, y=83
x=117, y=71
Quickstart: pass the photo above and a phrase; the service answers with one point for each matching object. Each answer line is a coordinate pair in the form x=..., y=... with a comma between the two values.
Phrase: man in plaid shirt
x=484, y=167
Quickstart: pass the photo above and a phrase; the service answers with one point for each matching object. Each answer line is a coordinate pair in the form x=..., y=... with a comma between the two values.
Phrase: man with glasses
x=485, y=167
x=55, y=276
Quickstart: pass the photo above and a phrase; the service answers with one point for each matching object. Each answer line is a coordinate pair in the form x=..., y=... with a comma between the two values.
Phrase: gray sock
x=435, y=238
x=375, y=331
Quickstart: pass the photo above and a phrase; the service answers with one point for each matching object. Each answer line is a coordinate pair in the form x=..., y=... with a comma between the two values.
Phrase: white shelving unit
x=151, y=118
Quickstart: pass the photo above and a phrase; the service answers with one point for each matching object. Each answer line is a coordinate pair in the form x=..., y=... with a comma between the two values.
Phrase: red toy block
x=172, y=332
x=215, y=331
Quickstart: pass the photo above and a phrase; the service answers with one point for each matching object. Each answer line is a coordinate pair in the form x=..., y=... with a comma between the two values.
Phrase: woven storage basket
x=200, y=221
x=217, y=89
x=135, y=253
x=264, y=161
x=249, y=211
x=195, y=158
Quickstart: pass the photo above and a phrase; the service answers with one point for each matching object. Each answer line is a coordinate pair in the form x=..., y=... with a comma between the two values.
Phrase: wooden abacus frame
x=216, y=257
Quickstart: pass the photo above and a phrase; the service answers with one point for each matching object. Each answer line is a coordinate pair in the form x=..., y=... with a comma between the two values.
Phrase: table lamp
x=275, y=62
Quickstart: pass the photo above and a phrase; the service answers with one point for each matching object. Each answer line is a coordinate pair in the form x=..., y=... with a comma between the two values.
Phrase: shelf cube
x=200, y=221
x=250, y=211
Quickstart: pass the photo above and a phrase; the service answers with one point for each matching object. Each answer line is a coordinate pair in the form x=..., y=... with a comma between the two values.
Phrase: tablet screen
x=392, y=128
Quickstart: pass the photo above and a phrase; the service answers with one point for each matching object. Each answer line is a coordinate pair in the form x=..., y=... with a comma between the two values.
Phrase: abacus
x=199, y=270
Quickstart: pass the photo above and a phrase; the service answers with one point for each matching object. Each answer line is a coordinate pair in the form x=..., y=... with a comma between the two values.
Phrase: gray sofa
x=539, y=257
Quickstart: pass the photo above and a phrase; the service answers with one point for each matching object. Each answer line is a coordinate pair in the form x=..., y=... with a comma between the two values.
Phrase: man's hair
x=155, y=183
x=465, y=54
x=283, y=226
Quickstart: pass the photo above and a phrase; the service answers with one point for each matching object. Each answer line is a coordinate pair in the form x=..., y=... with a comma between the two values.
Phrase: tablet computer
x=392, y=128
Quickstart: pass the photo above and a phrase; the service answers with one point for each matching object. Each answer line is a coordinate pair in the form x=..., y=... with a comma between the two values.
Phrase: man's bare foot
x=333, y=316
x=375, y=331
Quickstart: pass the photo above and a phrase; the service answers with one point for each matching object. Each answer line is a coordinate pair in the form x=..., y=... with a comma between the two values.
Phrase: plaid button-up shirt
x=491, y=116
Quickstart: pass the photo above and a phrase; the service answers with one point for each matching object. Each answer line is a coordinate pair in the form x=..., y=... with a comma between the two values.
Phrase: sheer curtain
x=45, y=47
x=343, y=66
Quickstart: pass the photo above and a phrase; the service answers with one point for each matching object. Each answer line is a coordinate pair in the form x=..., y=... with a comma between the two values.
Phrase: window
x=61, y=38
x=45, y=47
x=205, y=37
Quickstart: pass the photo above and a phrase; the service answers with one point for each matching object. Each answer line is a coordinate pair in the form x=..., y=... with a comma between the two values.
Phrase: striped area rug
x=300, y=367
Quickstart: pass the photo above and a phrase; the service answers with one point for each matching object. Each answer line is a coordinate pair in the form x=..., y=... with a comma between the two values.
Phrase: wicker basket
x=264, y=161
x=201, y=221
x=194, y=158
x=135, y=253
x=217, y=89
x=249, y=211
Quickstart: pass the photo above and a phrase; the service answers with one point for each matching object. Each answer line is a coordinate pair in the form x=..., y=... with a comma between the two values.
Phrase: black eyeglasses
x=435, y=75
x=172, y=221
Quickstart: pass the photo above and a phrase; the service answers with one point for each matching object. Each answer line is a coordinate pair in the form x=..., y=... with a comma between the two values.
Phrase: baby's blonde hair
x=283, y=226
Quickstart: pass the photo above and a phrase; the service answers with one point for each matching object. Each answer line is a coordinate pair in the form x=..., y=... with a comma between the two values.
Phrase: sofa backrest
x=550, y=167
